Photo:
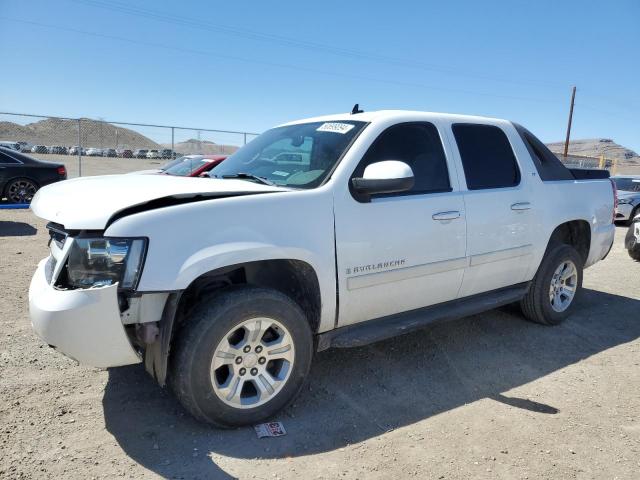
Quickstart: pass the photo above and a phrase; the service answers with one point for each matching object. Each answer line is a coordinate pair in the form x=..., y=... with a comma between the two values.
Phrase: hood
x=88, y=203
x=627, y=194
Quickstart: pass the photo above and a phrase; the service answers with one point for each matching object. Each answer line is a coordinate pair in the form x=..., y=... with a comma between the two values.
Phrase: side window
x=420, y=147
x=487, y=156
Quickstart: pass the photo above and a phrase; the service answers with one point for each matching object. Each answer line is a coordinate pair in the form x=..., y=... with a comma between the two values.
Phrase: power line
x=277, y=65
x=296, y=43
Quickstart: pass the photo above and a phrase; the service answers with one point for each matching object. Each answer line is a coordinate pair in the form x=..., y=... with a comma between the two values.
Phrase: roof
x=395, y=114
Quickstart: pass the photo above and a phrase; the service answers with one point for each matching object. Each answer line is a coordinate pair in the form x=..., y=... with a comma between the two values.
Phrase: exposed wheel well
x=576, y=233
x=294, y=278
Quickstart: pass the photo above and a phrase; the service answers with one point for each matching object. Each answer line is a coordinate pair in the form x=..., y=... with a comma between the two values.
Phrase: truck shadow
x=353, y=395
x=16, y=229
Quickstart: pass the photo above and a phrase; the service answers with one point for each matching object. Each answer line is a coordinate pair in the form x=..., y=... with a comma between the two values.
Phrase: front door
x=403, y=251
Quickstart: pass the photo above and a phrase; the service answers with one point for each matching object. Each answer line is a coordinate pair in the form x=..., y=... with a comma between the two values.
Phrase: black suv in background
x=140, y=153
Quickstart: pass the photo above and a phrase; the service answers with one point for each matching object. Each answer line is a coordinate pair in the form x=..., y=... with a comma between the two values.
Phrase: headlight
x=624, y=201
x=97, y=262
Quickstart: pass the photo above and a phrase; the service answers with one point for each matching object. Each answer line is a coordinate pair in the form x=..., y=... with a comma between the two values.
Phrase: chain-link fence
x=97, y=146
x=584, y=161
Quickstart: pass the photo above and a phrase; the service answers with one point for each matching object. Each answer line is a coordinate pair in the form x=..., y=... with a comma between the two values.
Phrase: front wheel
x=241, y=357
x=21, y=190
x=553, y=291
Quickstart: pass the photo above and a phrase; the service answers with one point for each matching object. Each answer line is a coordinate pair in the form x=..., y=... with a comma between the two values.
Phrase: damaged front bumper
x=84, y=324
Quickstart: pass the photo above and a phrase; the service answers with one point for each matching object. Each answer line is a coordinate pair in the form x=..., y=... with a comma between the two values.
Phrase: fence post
x=79, y=149
x=173, y=152
x=245, y=138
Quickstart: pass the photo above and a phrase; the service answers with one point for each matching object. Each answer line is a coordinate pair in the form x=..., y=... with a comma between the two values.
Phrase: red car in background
x=194, y=165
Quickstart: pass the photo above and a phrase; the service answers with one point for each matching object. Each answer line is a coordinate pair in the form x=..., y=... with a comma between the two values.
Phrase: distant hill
x=594, y=147
x=53, y=131
x=205, y=147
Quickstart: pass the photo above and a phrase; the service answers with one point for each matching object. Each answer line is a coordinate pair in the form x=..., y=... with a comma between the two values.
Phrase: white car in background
x=153, y=154
x=94, y=152
x=628, y=187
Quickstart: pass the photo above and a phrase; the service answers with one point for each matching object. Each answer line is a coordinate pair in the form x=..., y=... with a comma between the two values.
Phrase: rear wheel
x=551, y=296
x=242, y=357
x=21, y=190
x=631, y=242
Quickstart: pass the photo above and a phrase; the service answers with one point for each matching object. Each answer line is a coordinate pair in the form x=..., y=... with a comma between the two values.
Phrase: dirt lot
x=490, y=396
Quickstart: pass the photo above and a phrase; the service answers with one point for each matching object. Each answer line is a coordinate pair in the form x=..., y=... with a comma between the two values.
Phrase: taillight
x=615, y=199
x=62, y=171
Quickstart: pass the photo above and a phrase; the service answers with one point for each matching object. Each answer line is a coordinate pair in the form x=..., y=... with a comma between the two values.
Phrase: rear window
x=487, y=156
x=5, y=158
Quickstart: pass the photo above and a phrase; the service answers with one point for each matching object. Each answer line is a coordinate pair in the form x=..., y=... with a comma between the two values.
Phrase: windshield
x=187, y=166
x=171, y=163
x=628, y=184
x=299, y=156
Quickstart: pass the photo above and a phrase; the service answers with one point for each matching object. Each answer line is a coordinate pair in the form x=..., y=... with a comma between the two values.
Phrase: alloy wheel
x=563, y=286
x=252, y=363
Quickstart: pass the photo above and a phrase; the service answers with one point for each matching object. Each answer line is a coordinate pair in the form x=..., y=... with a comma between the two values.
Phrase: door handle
x=521, y=206
x=442, y=216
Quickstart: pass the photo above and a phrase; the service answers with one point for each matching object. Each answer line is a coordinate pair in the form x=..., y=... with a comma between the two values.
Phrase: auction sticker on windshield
x=335, y=127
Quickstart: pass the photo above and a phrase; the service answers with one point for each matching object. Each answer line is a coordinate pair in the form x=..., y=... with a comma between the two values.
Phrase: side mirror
x=389, y=176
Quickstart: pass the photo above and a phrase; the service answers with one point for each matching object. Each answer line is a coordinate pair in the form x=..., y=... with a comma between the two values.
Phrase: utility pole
x=566, y=142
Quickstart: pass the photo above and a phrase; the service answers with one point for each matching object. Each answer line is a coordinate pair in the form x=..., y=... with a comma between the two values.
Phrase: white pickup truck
x=334, y=231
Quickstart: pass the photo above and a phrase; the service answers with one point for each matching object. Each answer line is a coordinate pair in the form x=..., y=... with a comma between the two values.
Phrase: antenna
x=356, y=109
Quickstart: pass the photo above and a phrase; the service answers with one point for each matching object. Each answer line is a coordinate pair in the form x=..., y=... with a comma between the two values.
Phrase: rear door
x=498, y=202
x=402, y=251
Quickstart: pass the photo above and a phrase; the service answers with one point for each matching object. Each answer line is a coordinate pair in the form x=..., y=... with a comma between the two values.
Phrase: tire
x=211, y=333
x=20, y=190
x=632, y=215
x=632, y=245
x=537, y=305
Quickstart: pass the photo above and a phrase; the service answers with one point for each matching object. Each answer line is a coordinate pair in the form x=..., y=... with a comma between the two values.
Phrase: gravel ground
x=489, y=396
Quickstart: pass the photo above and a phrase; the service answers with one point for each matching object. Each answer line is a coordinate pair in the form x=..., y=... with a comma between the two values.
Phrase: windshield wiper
x=249, y=176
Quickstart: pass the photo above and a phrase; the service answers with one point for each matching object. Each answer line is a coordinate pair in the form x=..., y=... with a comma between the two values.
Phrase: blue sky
x=250, y=65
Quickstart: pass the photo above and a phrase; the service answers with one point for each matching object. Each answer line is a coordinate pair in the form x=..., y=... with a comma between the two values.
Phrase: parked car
x=39, y=149
x=109, y=152
x=21, y=175
x=25, y=147
x=195, y=165
x=632, y=238
x=76, y=150
x=94, y=152
x=224, y=287
x=58, y=150
x=164, y=167
x=125, y=153
x=11, y=145
x=628, y=187
x=140, y=153
x=167, y=153
x=153, y=154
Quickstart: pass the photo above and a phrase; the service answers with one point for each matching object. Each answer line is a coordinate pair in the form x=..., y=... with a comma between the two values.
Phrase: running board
x=371, y=331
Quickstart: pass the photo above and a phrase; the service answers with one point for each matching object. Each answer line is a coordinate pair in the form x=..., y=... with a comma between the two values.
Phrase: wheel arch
x=576, y=233
x=295, y=278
